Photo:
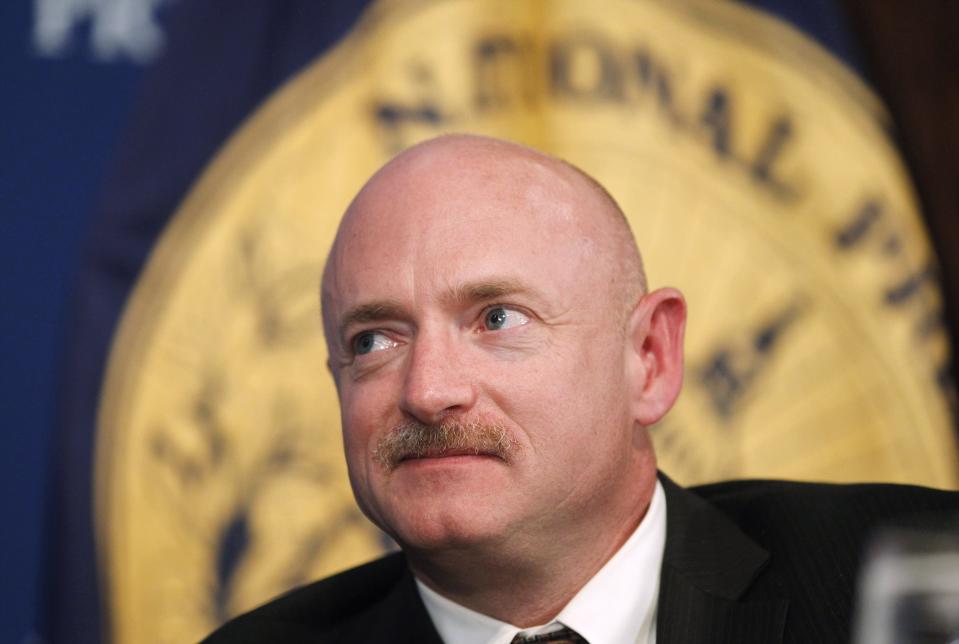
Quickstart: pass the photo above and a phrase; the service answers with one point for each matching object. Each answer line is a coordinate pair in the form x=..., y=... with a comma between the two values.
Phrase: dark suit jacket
x=745, y=562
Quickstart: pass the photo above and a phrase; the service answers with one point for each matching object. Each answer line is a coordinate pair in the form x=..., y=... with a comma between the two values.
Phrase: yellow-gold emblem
x=757, y=176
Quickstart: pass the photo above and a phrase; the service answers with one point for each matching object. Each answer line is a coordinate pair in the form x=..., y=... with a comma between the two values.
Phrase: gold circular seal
x=758, y=179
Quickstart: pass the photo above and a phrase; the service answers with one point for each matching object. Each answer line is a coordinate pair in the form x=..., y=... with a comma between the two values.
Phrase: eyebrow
x=485, y=290
x=372, y=312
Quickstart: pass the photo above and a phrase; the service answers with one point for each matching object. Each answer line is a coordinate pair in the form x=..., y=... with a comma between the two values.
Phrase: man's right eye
x=370, y=341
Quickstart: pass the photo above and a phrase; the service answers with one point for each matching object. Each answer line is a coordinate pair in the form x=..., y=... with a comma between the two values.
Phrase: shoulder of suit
x=823, y=508
x=324, y=603
x=757, y=490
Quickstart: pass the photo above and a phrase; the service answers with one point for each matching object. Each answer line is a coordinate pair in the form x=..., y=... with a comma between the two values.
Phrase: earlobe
x=656, y=329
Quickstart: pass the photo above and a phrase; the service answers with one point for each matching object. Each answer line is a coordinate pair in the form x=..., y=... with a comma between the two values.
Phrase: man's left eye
x=503, y=318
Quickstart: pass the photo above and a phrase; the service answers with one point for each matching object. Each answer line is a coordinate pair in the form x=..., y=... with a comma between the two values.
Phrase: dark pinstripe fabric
x=772, y=561
x=746, y=562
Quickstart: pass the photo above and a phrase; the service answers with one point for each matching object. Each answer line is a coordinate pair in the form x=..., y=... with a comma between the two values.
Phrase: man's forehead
x=451, y=270
x=441, y=207
x=454, y=271
x=472, y=202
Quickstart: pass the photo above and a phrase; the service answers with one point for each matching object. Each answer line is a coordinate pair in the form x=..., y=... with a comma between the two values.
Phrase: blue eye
x=500, y=317
x=371, y=341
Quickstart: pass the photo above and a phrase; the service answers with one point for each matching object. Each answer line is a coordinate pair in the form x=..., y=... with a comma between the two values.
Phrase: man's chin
x=432, y=525
x=433, y=537
x=443, y=502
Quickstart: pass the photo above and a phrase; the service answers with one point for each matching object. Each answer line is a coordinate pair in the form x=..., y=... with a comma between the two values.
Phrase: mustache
x=417, y=440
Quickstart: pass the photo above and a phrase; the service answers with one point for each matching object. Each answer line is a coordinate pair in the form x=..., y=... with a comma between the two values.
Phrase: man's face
x=479, y=293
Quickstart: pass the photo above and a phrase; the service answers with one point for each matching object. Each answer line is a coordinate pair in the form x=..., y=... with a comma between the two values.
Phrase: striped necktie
x=565, y=635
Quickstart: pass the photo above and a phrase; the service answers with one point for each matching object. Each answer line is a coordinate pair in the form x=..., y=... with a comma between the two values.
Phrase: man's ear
x=655, y=353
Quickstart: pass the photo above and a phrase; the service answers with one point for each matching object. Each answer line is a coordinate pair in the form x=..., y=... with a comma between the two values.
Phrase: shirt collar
x=616, y=606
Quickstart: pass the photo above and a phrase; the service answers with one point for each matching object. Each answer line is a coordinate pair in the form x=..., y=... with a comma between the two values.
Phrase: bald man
x=498, y=359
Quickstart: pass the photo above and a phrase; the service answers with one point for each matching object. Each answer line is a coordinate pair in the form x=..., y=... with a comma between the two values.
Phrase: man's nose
x=436, y=385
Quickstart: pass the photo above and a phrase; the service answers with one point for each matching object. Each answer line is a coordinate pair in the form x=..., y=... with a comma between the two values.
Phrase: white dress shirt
x=617, y=606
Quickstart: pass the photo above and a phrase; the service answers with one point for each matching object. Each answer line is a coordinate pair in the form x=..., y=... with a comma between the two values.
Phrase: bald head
x=466, y=177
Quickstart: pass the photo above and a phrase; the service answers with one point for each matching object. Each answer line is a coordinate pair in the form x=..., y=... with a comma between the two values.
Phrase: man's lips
x=447, y=453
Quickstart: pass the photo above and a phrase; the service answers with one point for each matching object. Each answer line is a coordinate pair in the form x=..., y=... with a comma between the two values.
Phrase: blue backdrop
x=61, y=115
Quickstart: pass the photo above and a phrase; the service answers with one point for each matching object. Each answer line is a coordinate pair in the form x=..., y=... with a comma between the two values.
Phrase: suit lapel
x=707, y=566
